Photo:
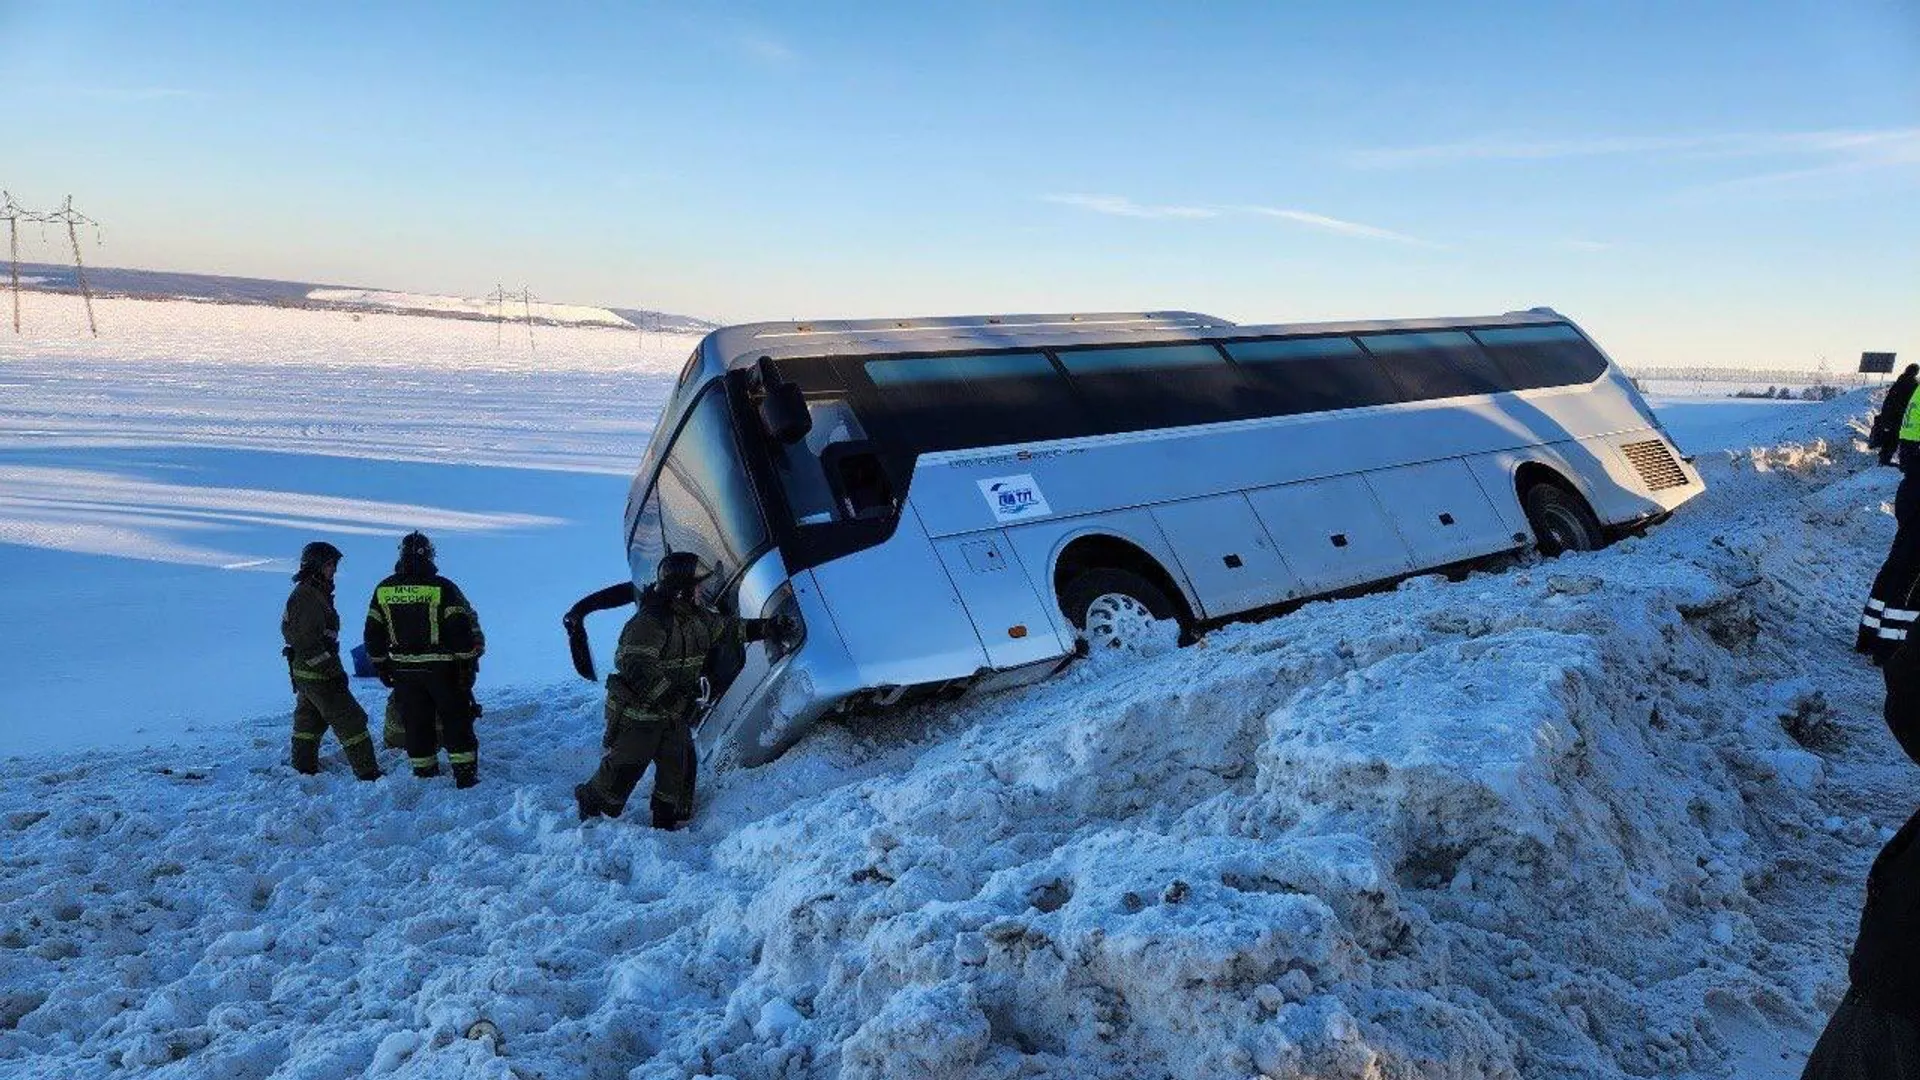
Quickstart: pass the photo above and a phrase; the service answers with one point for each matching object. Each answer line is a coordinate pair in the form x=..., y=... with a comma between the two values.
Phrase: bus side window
x=860, y=482
x=1432, y=364
x=1537, y=356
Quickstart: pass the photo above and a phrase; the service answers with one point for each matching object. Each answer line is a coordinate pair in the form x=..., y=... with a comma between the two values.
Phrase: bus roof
x=741, y=345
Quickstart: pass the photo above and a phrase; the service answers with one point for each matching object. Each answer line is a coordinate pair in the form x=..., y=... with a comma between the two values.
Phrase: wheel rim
x=1565, y=531
x=1118, y=620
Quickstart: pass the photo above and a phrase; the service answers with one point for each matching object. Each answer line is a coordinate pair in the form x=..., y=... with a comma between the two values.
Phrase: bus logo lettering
x=1014, y=498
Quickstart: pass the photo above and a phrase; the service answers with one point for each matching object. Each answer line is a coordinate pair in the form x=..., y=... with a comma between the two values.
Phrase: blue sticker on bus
x=1014, y=498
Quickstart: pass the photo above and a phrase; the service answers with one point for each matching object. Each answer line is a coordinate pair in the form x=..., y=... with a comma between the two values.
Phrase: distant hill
x=165, y=284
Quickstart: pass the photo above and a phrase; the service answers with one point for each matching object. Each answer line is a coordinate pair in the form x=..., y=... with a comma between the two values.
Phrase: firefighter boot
x=666, y=814
x=360, y=756
x=306, y=754
x=466, y=774
x=393, y=733
x=426, y=767
x=587, y=802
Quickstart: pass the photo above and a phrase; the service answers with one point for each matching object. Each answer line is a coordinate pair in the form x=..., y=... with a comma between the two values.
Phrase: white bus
x=967, y=502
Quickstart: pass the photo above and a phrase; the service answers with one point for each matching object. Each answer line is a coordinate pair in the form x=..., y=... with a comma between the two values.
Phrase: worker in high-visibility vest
x=1892, y=604
x=424, y=639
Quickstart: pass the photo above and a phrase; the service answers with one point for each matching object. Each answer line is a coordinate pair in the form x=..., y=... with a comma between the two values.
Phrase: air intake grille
x=1655, y=464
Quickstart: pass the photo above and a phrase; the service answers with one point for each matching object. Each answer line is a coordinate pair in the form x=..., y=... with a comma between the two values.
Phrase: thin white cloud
x=1588, y=245
x=134, y=94
x=1840, y=148
x=1332, y=224
x=766, y=49
x=1121, y=206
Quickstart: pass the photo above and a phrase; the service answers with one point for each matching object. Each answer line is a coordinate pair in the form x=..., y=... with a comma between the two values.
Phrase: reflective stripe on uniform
x=424, y=762
x=426, y=658
x=1874, y=604
x=312, y=676
x=386, y=596
x=307, y=736
x=1893, y=635
x=1910, y=421
x=354, y=740
x=1899, y=615
x=1870, y=621
x=464, y=758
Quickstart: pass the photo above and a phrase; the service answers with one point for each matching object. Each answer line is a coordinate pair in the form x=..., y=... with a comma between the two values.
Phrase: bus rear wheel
x=1114, y=609
x=1561, y=521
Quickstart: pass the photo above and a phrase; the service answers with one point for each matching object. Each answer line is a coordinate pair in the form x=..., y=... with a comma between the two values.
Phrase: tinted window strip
x=1087, y=400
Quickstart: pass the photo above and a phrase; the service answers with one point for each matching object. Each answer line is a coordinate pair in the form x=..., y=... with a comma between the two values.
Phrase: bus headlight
x=786, y=630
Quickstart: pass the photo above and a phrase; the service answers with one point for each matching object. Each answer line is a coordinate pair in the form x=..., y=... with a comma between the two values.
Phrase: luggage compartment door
x=1440, y=511
x=1331, y=532
x=1228, y=558
x=1009, y=614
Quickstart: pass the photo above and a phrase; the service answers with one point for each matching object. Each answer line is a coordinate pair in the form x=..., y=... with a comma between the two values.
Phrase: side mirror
x=783, y=408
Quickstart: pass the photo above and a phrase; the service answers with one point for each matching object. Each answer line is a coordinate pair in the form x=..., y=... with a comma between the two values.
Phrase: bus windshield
x=701, y=500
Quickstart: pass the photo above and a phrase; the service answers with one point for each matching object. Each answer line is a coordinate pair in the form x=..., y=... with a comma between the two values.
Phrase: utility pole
x=499, y=298
x=12, y=212
x=72, y=218
x=526, y=301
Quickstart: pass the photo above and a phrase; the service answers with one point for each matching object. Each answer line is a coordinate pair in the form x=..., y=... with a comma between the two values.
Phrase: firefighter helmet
x=679, y=572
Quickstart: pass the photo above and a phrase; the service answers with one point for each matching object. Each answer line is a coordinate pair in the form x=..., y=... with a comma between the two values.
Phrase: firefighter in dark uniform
x=1891, y=610
x=425, y=641
x=311, y=629
x=1875, y=1033
x=655, y=689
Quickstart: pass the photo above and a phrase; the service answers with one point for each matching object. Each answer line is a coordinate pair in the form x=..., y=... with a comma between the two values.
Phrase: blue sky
x=1696, y=182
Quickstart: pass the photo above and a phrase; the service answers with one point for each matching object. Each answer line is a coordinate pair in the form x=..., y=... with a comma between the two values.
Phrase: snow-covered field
x=475, y=307
x=156, y=483
x=1605, y=816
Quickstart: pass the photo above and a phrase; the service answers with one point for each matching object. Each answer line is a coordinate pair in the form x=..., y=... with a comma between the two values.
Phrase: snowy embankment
x=1598, y=817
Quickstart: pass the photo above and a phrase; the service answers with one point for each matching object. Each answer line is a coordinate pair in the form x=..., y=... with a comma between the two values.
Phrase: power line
x=13, y=214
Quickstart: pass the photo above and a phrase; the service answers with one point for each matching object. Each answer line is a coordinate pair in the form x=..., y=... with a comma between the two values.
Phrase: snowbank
x=1545, y=822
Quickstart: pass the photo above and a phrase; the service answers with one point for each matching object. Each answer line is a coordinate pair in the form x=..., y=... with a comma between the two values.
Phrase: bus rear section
x=967, y=518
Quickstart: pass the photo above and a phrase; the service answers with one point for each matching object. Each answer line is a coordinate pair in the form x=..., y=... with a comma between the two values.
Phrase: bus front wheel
x=1114, y=609
x=1561, y=521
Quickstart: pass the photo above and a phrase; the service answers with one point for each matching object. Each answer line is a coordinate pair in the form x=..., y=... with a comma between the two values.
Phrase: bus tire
x=1110, y=607
x=1560, y=520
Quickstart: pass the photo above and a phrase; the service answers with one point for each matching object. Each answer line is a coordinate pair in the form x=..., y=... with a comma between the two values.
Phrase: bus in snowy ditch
x=966, y=503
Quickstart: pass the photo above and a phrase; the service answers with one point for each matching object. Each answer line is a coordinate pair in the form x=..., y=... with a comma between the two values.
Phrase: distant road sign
x=1877, y=362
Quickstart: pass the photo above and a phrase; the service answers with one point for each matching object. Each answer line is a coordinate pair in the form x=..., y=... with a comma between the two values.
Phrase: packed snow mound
x=1571, y=818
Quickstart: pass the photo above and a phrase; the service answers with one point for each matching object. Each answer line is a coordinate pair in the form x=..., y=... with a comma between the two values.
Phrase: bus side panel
x=1228, y=557
x=1039, y=545
x=898, y=613
x=1496, y=473
x=1148, y=468
x=1332, y=532
x=1441, y=512
x=1009, y=613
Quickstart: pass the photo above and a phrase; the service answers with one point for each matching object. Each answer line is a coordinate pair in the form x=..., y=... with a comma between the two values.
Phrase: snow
x=471, y=307
x=166, y=474
x=1604, y=816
